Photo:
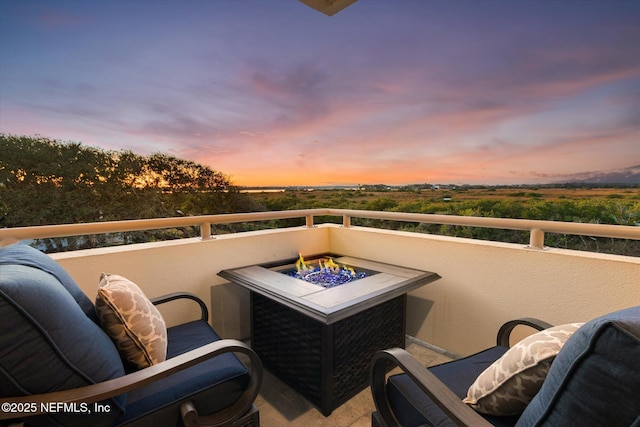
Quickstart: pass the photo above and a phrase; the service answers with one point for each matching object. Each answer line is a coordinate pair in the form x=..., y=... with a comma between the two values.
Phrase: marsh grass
x=609, y=205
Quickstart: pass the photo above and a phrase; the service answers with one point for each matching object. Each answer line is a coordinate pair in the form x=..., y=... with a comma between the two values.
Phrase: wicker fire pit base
x=320, y=340
x=328, y=364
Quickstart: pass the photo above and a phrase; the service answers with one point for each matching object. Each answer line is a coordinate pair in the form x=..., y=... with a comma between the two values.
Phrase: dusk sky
x=272, y=92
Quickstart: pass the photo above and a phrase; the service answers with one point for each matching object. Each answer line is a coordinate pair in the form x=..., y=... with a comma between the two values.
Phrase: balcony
x=483, y=283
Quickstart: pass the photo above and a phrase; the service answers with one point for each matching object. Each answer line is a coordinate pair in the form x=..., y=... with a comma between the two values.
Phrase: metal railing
x=536, y=228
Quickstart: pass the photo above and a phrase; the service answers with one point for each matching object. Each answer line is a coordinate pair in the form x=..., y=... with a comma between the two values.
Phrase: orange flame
x=302, y=266
x=325, y=265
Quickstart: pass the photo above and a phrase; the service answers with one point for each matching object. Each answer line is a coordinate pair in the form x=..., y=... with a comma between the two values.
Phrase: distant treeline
x=44, y=181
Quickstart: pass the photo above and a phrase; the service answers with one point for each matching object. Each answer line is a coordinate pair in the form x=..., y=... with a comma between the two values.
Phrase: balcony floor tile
x=281, y=406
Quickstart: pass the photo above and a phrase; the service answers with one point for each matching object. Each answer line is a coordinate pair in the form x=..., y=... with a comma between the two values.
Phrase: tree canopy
x=45, y=181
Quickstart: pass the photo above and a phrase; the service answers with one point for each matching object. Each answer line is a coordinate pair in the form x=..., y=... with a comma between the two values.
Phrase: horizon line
x=362, y=186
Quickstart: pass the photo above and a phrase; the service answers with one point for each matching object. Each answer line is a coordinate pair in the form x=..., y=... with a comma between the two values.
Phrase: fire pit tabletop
x=383, y=282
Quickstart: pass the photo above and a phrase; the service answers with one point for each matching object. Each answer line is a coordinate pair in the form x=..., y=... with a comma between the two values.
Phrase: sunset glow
x=274, y=93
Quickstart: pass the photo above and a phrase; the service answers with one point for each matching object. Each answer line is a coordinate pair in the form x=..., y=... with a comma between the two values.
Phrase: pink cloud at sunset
x=277, y=94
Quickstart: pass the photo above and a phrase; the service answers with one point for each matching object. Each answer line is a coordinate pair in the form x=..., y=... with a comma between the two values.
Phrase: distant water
x=283, y=189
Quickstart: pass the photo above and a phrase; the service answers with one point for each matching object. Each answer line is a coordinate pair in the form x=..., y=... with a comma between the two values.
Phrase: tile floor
x=279, y=405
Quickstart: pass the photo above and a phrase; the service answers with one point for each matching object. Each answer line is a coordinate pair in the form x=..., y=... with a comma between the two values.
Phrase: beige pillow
x=508, y=385
x=132, y=321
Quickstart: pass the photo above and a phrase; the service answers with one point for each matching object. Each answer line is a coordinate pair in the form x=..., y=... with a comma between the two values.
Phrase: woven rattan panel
x=327, y=364
x=288, y=344
x=357, y=338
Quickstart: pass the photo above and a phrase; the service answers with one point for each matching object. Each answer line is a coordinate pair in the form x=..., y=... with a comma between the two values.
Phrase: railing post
x=310, y=221
x=536, y=239
x=205, y=231
x=346, y=221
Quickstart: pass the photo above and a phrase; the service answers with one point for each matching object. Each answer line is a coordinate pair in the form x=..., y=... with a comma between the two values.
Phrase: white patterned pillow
x=131, y=320
x=508, y=385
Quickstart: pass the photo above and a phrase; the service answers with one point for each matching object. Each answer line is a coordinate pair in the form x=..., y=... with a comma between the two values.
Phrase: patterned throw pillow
x=132, y=321
x=508, y=385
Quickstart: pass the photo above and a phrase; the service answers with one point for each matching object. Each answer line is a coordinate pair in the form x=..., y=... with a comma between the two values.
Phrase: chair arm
x=117, y=386
x=183, y=295
x=451, y=404
x=505, y=331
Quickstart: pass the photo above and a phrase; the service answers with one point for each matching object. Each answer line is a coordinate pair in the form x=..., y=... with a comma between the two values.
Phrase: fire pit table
x=318, y=335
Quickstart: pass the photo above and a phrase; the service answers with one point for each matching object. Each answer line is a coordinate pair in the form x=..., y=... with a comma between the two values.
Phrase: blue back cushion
x=595, y=379
x=28, y=256
x=47, y=341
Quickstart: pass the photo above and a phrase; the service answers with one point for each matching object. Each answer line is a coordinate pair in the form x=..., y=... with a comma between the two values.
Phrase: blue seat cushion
x=48, y=343
x=211, y=385
x=595, y=379
x=414, y=408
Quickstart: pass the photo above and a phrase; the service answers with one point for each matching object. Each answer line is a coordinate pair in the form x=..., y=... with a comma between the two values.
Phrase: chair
x=58, y=367
x=593, y=380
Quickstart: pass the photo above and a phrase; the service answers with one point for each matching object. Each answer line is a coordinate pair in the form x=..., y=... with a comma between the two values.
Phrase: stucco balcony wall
x=486, y=283
x=192, y=265
x=483, y=283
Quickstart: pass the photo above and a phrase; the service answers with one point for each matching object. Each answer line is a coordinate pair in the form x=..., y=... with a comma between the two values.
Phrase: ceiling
x=328, y=7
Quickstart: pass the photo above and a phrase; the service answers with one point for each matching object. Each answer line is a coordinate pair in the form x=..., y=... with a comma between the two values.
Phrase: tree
x=44, y=181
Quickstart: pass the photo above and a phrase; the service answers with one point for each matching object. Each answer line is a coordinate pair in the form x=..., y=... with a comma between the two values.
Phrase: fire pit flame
x=327, y=273
x=302, y=266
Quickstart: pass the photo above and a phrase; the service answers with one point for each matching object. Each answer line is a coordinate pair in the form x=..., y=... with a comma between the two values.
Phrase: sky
x=274, y=93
